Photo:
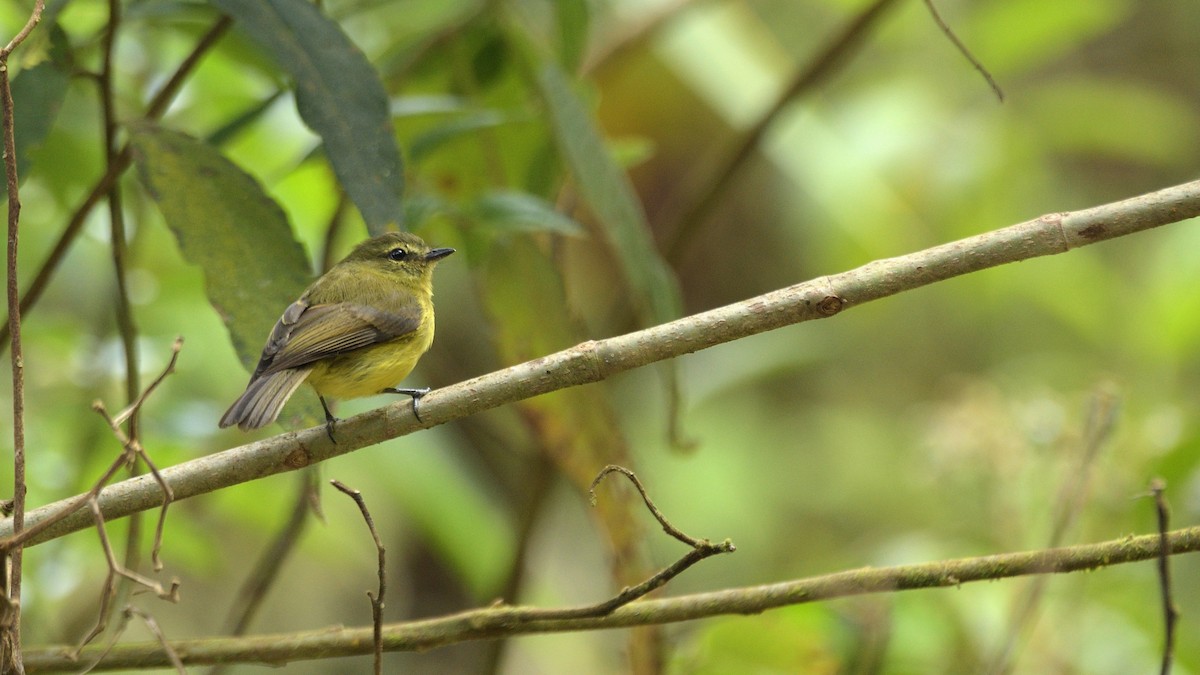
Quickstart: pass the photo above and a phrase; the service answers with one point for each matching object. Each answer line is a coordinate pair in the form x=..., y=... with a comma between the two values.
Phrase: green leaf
x=226, y=225
x=505, y=210
x=338, y=94
x=38, y=94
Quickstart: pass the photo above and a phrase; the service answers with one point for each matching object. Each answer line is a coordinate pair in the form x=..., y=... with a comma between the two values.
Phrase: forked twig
x=700, y=549
x=115, y=569
x=151, y=625
x=131, y=451
x=134, y=450
x=377, y=599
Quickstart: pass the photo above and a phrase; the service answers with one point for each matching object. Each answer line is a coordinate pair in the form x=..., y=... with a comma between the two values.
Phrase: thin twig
x=1170, y=612
x=502, y=621
x=35, y=18
x=151, y=625
x=126, y=328
x=376, y=599
x=700, y=549
x=662, y=520
x=115, y=570
x=11, y=557
x=135, y=451
x=962, y=48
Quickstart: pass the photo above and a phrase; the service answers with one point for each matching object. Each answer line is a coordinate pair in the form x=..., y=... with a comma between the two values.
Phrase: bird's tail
x=264, y=397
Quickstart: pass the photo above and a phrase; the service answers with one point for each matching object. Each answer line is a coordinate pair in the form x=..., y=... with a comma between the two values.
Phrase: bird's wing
x=307, y=333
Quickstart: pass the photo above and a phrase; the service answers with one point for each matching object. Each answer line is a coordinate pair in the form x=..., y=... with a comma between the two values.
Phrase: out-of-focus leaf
x=573, y=19
x=243, y=120
x=522, y=212
x=1008, y=38
x=489, y=60
x=226, y=225
x=1126, y=120
x=610, y=196
x=338, y=94
x=411, y=106
x=38, y=94
x=425, y=144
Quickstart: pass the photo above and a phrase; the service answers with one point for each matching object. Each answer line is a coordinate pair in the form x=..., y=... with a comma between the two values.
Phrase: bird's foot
x=416, y=395
x=330, y=420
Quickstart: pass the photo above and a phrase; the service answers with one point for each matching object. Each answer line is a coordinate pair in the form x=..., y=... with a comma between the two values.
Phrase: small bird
x=356, y=331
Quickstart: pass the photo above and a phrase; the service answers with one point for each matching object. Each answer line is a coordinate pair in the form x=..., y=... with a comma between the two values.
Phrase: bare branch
x=593, y=361
x=501, y=621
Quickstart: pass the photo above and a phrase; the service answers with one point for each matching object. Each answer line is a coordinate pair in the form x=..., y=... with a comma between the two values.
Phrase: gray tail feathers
x=264, y=397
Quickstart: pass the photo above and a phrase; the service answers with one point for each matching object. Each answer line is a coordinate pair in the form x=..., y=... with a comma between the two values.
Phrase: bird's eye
x=397, y=254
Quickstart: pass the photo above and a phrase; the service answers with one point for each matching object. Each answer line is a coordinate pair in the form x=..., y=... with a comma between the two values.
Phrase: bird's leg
x=330, y=420
x=416, y=395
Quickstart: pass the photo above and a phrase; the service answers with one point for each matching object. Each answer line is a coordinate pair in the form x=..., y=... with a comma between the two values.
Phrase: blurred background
x=947, y=422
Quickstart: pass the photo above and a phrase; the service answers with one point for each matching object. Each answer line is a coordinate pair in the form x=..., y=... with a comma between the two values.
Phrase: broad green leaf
x=38, y=94
x=521, y=212
x=610, y=196
x=226, y=225
x=338, y=94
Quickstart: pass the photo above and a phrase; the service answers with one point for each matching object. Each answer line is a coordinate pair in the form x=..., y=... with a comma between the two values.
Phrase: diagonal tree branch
x=593, y=361
x=501, y=621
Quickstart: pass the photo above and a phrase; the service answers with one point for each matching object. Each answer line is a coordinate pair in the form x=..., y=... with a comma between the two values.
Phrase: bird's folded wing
x=322, y=331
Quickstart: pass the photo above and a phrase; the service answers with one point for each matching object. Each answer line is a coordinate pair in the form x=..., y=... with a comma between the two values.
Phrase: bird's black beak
x=438, y=254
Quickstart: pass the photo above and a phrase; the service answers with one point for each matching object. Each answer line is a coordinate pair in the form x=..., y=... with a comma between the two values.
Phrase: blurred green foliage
x=557, y=145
